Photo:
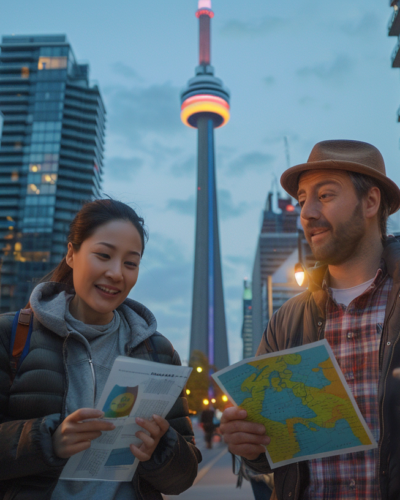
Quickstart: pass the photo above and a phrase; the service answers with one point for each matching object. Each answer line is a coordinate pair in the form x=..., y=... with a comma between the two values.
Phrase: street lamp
x=206, y=402
x=199, y=369
x=299, y=273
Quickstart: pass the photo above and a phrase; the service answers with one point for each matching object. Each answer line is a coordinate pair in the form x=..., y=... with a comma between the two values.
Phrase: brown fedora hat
x=352, y=156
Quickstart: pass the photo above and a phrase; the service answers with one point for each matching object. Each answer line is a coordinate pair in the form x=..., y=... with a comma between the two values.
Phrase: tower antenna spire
x=205, y=14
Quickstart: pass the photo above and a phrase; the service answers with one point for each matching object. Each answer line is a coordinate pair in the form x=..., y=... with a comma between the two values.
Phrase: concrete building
x=205, y=106
x=51, y=156
x=247, y=326
x=273, y=281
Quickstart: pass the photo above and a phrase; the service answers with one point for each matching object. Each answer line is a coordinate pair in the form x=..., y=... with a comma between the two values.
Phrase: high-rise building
x=51, y=156
x=280, y=246
x=394, y=30
x=205, y=106
x=247, y=327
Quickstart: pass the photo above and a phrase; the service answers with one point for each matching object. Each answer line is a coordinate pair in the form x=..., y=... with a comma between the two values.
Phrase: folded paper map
x=301, y=397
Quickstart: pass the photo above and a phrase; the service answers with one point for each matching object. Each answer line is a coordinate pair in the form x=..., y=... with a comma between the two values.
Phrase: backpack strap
x=151, y=348
x=20, y=339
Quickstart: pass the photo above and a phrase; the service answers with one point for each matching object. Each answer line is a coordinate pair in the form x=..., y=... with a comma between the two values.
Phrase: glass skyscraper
x=51, y=156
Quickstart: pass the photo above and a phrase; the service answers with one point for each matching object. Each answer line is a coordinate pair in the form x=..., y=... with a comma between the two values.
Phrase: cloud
x=136, y=112
x=183, y=207
x=255, y=161
x=123, y=168
x=367, y=26
x=335, y=70
x=165, y=287
x=125, y=70
x=238, y=28
x=184, y=168
x=269, y=80
x=237, y=260
x=306, y=100
x=165, y=273
x=278, y=137
x=227, y=208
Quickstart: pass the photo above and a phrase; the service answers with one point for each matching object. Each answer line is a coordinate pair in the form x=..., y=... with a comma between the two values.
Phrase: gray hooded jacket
x=46, y=389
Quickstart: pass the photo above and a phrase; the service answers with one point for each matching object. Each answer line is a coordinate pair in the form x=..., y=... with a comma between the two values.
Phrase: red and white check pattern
x=354, y=333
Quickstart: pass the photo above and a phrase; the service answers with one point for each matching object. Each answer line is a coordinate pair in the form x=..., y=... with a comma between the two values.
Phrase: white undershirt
x=346, y=295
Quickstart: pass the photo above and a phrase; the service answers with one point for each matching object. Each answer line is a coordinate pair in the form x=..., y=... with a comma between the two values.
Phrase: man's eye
x=131, y=264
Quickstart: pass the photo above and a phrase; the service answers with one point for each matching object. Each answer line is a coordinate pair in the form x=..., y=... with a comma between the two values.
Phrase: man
x=352, y=301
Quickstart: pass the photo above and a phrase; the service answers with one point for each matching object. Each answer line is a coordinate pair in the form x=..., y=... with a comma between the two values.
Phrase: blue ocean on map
x=310, y=359
x=281, y=405
x=233, y=381
x=335, y=438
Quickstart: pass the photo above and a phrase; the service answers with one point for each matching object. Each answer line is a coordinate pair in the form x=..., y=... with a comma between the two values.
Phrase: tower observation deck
x=205, y=106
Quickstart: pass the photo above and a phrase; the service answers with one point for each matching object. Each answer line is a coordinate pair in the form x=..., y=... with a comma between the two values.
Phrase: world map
x=302, y=401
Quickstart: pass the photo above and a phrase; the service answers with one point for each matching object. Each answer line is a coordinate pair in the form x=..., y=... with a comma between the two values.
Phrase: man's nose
x=310, y=210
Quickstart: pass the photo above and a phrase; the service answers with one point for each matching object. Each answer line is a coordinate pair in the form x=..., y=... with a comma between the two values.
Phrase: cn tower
x=205, y=106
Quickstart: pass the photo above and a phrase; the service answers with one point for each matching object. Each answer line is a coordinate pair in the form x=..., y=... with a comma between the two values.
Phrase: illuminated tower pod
x=205, y=106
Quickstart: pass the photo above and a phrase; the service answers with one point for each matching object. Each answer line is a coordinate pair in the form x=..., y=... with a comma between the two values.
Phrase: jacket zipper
x=94, y=380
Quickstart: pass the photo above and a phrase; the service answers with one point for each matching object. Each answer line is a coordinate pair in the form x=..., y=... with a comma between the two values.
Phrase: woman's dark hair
x=90, y=217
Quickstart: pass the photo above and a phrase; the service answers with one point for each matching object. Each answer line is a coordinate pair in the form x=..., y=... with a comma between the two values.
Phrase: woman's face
x=105, y=269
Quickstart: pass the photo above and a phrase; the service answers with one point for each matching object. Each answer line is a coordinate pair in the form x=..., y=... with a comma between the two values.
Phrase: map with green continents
x=303, y=401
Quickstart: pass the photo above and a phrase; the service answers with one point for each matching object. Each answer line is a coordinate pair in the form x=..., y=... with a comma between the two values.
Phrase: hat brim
x=290, y=178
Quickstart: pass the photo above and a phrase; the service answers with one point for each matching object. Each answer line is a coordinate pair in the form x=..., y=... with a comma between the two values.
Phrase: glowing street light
x=299, y=273
x=206, y=402
x=213, y=400
x=188, y=391
x=199, y=369
x=224, y=398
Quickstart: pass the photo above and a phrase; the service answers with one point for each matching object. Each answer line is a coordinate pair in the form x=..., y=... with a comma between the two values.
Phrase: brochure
x=134, y=388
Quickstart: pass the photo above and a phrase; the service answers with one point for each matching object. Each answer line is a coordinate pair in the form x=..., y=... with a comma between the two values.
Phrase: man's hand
x=157, y=427
x=246, y=439
x=78, y=430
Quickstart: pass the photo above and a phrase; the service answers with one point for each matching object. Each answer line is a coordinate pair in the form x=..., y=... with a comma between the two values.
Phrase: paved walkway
x=215, y=480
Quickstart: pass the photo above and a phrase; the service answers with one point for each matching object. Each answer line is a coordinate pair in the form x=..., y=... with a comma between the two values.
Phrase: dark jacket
x=33, y=407
x=301, y=320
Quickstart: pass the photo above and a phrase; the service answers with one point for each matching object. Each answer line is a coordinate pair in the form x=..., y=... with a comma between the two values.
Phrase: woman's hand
x=78, y=430
x=245, y=439
x=157, y=427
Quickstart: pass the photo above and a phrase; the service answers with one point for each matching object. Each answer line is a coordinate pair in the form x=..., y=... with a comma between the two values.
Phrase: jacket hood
x=49, y=302
x=390, y=255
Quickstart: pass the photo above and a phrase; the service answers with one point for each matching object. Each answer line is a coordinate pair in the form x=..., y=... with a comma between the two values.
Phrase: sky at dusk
x=306, y=69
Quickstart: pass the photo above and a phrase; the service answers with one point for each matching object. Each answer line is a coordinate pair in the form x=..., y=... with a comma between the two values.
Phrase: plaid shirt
x=354, y=333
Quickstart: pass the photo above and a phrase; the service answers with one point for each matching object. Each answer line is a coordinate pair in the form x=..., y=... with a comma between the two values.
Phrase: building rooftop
x=14, y=39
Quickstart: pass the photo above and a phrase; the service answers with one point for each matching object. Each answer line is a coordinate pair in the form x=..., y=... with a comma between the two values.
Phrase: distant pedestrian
x=209, y=425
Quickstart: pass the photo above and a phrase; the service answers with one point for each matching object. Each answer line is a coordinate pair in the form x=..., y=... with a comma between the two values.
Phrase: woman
x=82, y=321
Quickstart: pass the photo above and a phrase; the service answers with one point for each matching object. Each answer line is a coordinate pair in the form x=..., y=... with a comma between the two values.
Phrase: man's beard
x=342, y=242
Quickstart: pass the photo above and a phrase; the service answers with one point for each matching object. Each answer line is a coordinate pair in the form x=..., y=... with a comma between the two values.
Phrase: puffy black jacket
x=33, y=407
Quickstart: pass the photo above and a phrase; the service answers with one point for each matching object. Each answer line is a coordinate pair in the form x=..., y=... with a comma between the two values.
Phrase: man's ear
x=372, y=202
x=69, y=258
